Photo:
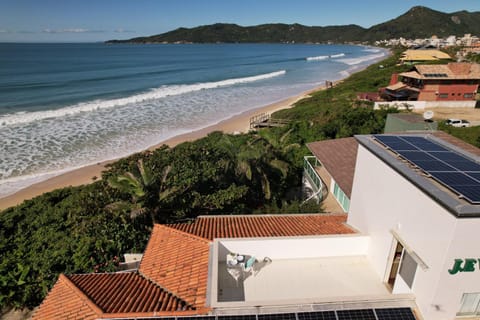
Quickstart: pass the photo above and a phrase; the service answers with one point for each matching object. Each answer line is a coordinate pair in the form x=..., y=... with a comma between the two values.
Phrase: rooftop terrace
x=297, y=272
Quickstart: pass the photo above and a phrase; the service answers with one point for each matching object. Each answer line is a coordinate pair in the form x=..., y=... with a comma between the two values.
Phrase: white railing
x=313, y=177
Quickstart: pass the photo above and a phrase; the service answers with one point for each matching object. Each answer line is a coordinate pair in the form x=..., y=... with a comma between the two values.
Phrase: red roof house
x=173, y=275
x=445, y=82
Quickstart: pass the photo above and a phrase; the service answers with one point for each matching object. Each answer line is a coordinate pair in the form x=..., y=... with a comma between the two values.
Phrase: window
x=408, y=268
x=341, y=197
x=468, y=95
x=470, y=304
x=443, y=95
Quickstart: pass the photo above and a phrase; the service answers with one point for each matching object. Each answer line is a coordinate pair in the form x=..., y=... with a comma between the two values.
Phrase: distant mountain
x=418, y=22
x=265, y=33
x=422, y=22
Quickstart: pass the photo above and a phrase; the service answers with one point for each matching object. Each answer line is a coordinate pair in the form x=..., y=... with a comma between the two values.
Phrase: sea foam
x=153, y=94
x=355, y=61
x=317, y=58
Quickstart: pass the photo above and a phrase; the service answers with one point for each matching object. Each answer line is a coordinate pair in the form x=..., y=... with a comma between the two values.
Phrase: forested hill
x=418, y=22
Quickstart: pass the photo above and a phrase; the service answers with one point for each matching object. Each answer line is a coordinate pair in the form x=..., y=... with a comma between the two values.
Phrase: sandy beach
x=239, y=123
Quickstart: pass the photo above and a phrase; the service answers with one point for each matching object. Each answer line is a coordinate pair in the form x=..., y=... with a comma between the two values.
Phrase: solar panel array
x=436, y=75
x=358, y=314
x=453, y=170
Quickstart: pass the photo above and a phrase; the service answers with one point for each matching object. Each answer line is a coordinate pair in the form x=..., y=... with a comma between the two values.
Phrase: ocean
x=64, y=106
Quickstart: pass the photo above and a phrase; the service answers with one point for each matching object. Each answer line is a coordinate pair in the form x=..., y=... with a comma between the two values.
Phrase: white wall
x=298, y=247
x=464, y=245
x=383, y=200
x=420, y=105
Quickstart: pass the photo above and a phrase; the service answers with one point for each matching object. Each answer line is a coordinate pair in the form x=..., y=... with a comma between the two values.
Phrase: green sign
x=463, y=265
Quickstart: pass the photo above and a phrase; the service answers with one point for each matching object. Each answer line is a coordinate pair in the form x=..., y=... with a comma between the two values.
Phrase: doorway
x=397, y=257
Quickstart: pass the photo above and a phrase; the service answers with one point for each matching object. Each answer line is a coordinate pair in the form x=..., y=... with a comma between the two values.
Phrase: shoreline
x=239, y=123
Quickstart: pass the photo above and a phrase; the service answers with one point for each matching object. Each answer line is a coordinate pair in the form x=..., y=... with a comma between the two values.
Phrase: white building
x=406, y=250
x=423, y=235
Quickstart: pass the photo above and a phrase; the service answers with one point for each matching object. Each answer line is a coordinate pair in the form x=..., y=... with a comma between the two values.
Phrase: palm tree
x=256, y=161
x=145, y=191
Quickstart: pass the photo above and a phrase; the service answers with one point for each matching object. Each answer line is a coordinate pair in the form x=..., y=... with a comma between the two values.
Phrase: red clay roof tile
x=127, y=292
x=211, y=227
x=172, y=278
x=177, y=260
x=65, y=301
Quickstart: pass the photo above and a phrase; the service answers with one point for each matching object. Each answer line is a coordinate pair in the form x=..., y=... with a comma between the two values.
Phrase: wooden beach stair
x=264, y=120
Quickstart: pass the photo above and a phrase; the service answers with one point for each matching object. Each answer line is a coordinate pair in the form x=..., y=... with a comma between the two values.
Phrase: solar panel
x=238, y=317
x=416, y=155
x=395, y=314
x=323, y=315
x=465, y=165
x=446, y=156
x=362, y=314
x=358, y=314
x=454, y=178
x=469, y=192
x=475, y=175
x=455, y=171
x=278, y=316
x=423, y=144
x=429, y=166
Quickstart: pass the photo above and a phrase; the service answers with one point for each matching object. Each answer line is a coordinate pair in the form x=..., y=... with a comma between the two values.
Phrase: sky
x=101, y=20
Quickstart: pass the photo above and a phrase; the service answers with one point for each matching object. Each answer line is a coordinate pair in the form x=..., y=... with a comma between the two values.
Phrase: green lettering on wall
x=456, y=266
x=468, y=266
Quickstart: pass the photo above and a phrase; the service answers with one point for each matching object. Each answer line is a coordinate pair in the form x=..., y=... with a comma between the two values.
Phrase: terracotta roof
x=179, y=262
x=338, y=156
x=453, y=70
x=423, y=55
x=211, y=227
x=65, y=301
x=397, y=86
x=126, y=292
x=172, y=277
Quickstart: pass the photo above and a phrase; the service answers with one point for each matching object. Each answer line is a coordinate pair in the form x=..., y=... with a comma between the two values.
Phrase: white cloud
x=70, y=30
x=121, y=30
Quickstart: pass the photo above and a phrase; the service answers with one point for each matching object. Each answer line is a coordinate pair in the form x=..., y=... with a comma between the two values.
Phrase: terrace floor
x=303, y=281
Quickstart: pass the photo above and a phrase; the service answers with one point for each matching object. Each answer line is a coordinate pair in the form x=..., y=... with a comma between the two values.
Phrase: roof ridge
x=184, y=233
x=165, y=289
x=82, y=295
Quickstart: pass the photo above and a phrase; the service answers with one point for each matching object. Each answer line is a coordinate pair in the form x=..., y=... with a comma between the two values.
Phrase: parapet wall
x=421, y=105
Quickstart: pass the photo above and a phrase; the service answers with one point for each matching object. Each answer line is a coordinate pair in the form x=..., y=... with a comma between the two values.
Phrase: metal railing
x=312, y=175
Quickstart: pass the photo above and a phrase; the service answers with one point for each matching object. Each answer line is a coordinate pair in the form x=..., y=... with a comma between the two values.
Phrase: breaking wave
x=317, y=58
x=153, y=94
x=354, y=61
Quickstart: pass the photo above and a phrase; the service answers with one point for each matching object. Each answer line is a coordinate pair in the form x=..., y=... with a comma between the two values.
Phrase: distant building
x=416, y=56
x=404, y=122
x=446, y=82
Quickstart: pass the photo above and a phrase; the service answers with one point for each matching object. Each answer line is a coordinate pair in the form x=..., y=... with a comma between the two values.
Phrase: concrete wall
x=297, y=247
x=421, y=105
x=384, y=201
x=465, y=244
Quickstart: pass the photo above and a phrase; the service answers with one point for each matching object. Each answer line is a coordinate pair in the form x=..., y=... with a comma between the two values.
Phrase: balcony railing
x=309, y=164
